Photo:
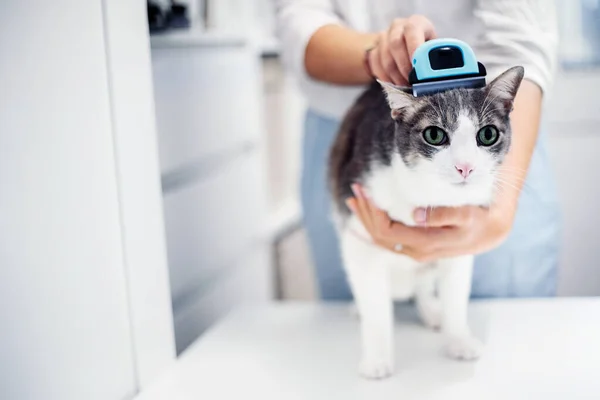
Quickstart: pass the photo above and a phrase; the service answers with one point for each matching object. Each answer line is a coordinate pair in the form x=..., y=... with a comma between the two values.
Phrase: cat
x=442, y=149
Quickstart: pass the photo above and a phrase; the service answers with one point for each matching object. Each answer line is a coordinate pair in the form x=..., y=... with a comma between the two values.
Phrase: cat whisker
x=506, y=175
x=511, y=174
x=512, y=178
x=511, y=171
x=510, y=168
x=505, y=184
x=499, y=190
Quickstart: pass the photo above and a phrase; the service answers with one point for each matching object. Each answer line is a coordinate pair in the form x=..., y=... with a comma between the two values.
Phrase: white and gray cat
x=407, y=152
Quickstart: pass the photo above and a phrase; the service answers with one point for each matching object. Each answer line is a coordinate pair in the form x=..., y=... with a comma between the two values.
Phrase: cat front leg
x=369, y=276
x=454, y=292
x=428, y=303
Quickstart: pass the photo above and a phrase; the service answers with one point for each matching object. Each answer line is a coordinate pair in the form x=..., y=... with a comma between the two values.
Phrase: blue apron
x=525, y=265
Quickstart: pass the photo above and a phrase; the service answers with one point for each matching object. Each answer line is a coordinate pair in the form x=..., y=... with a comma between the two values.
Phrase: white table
x=535, y=349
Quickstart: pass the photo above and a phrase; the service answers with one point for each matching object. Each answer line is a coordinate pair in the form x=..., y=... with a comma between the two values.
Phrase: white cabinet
x=211, y=221
x=84, y=297
x=63, y=302
x=245, y=282
x=207, y=98
x=209, y=113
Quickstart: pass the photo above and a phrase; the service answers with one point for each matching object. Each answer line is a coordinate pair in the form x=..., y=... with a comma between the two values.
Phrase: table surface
x=535, y=349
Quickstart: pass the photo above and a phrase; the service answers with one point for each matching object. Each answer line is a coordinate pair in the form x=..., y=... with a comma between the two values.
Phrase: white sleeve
x=296, y=22
x=519, y=32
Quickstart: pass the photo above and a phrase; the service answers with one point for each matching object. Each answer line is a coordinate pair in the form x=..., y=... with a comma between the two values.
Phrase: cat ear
x=504, y=87
x=397, y=97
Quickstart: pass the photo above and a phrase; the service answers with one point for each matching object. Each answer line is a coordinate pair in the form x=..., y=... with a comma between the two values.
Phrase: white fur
x=378, y=277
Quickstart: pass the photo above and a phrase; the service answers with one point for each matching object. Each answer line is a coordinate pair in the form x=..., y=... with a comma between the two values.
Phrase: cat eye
x=435, y=136
x=488, y=135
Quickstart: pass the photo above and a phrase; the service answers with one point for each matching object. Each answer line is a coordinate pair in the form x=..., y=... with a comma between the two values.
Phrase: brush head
x=444, y=64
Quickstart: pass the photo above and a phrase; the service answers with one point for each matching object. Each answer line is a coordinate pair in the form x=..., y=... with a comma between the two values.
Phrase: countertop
x=196, y=37
x=535, y=349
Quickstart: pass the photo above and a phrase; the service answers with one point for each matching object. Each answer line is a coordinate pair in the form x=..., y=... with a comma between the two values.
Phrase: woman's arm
x=317, y=44
x=296, y=21
x=335, y=54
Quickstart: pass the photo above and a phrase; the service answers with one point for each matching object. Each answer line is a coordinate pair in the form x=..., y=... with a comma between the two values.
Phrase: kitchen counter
x=195, y=37
x=535, y=349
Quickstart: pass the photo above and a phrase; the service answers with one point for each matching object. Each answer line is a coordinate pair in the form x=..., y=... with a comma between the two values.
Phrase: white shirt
x=503, y=33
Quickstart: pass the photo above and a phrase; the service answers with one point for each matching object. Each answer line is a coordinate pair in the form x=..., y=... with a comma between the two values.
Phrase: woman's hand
x=390, y=59
x=440, y=232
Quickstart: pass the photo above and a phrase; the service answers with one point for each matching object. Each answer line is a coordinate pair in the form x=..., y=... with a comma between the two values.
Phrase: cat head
x=457, y=137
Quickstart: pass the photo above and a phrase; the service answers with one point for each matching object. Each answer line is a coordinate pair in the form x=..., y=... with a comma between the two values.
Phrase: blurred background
x=149, y=162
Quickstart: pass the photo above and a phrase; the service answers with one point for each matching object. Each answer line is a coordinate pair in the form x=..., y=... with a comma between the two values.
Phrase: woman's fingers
x=391, y=60
x=405, y=35
x=372, y=218
x=364, y=211
x=444, y=233
x=417, y=30
x=375, y=65
x=447, y=216
x=423, y=239
x=423, y=257
x=381, y=220
x=387, y=61
x=398, y=50
x=375, y=61
x=382, y=228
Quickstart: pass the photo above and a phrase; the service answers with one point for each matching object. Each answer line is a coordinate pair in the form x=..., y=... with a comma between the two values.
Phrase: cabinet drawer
x=210, y=222
x=247, y=281
x=208, y=99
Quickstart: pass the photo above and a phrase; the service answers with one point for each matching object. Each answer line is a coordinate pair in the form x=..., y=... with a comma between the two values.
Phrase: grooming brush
x=443, y=64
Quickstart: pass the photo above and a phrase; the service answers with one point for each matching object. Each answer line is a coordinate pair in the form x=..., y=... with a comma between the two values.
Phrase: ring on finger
x=398, y=247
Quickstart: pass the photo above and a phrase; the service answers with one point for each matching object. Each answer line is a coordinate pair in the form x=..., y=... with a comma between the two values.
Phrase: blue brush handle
x=422, y=65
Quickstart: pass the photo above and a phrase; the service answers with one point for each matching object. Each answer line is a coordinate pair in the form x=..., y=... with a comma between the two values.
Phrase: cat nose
x=464, y=169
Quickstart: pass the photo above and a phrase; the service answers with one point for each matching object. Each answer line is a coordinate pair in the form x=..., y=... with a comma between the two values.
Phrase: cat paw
x=376, y=369
x=464, y=348
x=430, y=312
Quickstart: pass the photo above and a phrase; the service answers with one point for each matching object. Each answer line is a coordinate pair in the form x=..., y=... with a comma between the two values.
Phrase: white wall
x=572, y=124
x=64, y=317
x=136, y=152
x=72, y=241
